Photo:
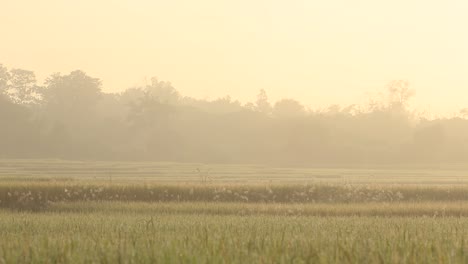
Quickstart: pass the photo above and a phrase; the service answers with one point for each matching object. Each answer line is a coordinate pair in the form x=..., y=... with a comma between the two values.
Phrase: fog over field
x=303, y=83
x=70, y=117
x=266, y=131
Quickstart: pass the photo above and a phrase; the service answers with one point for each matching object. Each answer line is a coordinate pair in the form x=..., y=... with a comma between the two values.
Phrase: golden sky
x=319, y=52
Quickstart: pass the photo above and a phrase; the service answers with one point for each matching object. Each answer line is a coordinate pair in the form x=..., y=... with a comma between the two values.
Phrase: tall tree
x=288, y=108
x=163, y=91
x=23, y=87
x=74, y=93
x=18, y=133
x=70, y=110
x=4, y=79
x=399, y=94
x=148, y=112
x=262, y=103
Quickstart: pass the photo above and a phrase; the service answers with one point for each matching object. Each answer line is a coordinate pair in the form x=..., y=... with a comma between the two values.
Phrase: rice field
x=55, y=211
x=131, y=172
x=116, y=232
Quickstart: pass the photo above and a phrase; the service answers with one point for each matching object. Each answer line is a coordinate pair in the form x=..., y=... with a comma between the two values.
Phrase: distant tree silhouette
x=288, y=108
x=132, y=95
x=147, y=112
x=18, y=137
x=262, y=103
x=399, y=94
x=23, y=88
x=75, y=90
x=70, y=117
x=70, y=111
x=4, y=78
x=162, y=91
x=19, y=85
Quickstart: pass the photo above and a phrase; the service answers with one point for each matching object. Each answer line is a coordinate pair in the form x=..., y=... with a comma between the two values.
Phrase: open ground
x=109, y=212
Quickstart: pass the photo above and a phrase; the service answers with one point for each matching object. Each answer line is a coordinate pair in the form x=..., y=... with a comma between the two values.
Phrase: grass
x=147, y=233
x=36, y=195
x=406, y=209
x=158, y=172
x=97, y=212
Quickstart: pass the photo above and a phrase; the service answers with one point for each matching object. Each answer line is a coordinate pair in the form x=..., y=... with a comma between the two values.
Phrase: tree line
x=70, y=117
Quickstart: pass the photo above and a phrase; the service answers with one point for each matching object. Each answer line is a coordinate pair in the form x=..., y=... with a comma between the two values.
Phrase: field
x=55, y=211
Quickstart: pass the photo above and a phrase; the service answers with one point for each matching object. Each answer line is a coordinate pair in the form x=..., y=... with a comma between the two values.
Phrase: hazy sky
x=320, y=52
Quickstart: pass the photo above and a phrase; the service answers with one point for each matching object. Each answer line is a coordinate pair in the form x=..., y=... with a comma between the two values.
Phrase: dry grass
x=75, y=218
x=403, y=209
x=37, y=195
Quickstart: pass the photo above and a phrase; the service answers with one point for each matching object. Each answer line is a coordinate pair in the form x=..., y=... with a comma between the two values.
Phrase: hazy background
x=298, y=83
x=319, y=52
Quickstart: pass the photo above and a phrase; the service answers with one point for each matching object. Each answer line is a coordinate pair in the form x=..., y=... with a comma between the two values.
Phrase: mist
x=70, y=117
x=266, y=131
x=320, y=53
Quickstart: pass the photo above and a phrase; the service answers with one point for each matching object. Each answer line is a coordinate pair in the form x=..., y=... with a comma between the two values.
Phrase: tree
x=18, y=134
x=262, y=103
x=132, y=95
x=4, y=79
x=224, y=105
x=73, y=93
x=70, y=112
x=429, y=141
x=399, y=94
x=22, y=87
x=162, y=91
x=149, y=119
x=287, y=108
x=148, y=112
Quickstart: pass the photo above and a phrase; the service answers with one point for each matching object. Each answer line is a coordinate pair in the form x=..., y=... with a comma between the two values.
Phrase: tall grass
x=374, y=209
x=37, y=195
x=157, y=237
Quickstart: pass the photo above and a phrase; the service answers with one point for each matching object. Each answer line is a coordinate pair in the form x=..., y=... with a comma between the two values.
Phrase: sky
x=318, y=52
